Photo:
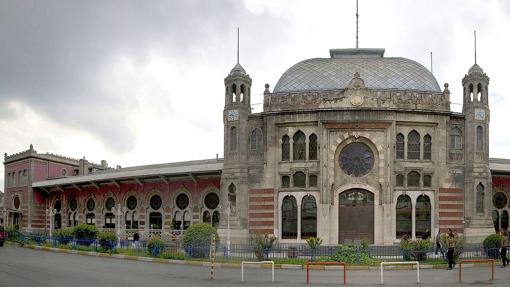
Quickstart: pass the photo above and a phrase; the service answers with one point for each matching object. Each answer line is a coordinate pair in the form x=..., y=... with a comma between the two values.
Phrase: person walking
x=451, y=241
x=504, y=239
x=438, y=243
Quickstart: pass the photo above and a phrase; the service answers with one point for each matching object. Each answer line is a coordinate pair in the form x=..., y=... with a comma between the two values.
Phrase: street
x=26, y=267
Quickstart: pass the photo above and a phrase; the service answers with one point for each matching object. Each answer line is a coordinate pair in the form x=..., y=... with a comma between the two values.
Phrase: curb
x=234, y=265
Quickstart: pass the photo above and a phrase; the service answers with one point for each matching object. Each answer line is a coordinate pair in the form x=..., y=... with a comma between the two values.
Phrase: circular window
x=356, y=159
x=57, y=205
x=17, y=202
x=499, y=200
x=155, y=202
x=212, y=200
x=90, y=204
x=73, y=204
x=131, y=202
x=182, y=201
x=110, y=203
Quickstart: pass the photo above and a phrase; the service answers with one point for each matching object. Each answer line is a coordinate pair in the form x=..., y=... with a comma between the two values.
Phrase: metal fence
x=299, y=253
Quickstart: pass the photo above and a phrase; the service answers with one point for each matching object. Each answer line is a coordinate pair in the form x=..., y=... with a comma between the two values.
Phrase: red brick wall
x=261, y=211
x=451, y=209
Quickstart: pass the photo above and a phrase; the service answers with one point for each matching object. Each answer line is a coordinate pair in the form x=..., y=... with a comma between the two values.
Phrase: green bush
x=352, y=254
x=85, y=234
x=415, y=249
x=492, y=244
x=64, y=235
x=197, y=239
x=262, y=244
x=173, y=255
x=313, y=243
x=107, y=240
x=155, y=246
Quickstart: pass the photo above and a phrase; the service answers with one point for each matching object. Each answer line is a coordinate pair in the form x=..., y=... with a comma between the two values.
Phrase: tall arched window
x=399, y=180
x=58, y=217
x=285, y=148
x=285, y=181
x=90, y=217
x=211, y=203
x=312, y=147
x=232, y=198
x=131, y=217
x=495, y=219
x=182, y=218
x=404, y=216
x=399, y=146
x=427, y=180
x=308, y=217
x=423, y=215
x=299, y=146
x=233, y=139
x=504, y=219
x=256, y=139
x=479, y=138
x=455, y=139
x=427, y=147
x=155, y=217
x=413, y=179
x=289, y=217
x=299, y=179
x=480, y=198
x=471, y=96
x=413, y=145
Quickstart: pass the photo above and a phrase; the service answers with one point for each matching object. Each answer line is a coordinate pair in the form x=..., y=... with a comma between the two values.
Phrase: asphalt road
x=26, y=267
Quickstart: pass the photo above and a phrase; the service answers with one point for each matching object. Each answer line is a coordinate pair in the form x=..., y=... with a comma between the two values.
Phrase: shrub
x=85, y=234
x=415, y=249
x=155, y=246
x=459, y=245
x=262, y=244
x=492, y=244
x=64, y=235
x=107, y=240
x=314, y=243
x=352, y=254
x=197, y=239
x=38, y=237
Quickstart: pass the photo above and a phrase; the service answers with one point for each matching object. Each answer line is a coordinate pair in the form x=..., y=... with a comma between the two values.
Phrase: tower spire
x=475, y=47
x=431, y=64
x=357, y=26
x=238, y=45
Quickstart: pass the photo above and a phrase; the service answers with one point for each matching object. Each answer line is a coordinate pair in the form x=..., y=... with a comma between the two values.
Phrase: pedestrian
x=451, y=241
x=136, y=239
x=504, y=246
x=438, y=243
x=425, y=235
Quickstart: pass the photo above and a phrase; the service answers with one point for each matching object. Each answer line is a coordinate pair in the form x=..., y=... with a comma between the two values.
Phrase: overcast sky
x=141, y=82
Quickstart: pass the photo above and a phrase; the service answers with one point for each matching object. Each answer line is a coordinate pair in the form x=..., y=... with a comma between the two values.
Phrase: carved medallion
x=355, y=90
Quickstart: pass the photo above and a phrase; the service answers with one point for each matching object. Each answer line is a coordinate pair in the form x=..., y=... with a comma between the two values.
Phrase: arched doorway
x=356, y=215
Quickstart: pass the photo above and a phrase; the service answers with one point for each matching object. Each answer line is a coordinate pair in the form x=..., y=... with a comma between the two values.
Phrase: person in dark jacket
x=451, y=242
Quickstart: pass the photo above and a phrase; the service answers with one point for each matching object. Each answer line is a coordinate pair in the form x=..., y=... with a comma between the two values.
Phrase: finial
x=266, y=90
x=475, y=47
x=357, y=25
x=238, y=45
x=446, y=85
x=31, y=147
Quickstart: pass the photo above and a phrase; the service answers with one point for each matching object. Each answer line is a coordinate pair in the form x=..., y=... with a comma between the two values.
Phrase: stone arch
x=215, y=212
x=148, y=197
x=178, y=215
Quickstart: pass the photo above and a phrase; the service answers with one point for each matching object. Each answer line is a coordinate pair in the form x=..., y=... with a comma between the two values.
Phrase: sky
x=141, y=82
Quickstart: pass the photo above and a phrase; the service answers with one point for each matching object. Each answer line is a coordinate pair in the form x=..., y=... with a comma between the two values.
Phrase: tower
x=478, y=181
x=234, y=178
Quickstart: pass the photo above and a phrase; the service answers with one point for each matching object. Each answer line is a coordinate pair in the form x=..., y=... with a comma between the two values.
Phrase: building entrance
x=356, y=215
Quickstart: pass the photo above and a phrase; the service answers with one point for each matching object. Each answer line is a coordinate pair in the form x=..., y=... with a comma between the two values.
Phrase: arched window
x=404, y=216
x=256, y=139
x=413, y=179
x=427, y=180
x=480, y=198
x=413, y=145
x=399, y=180
x=285, y=181
x=58, y=221
x=233, y=139
x=504, y=219
x=131, y=217
x=455, y=139
x=234, y=93
x=299, y=146
x=216, y=219
x=155, y=220
x=232, y=198
x=471, y=92
x=181, y=218
x=109, y=203
x=308, y=217
x=423, y=215
x=399, y=146
x=427, y=147
x=211, y=203
x=495, y=219
x=90, y=219
x=312, y=147
x=479, y=138
x=479, y=92
x=289, y=217
x=155, y=202
x=312, y=180
x=206, y=217
x=242, y=96
x=299, y=179
x=285, y=148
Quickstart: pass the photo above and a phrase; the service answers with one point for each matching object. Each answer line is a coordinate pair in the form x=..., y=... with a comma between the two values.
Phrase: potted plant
x=492, y=244
x=313, y=243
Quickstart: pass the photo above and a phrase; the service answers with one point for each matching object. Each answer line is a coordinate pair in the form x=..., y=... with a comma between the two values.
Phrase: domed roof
x=475, y=69
x=378, y=73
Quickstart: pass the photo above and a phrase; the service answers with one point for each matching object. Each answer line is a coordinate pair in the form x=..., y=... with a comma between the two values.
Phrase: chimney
x=104, y=164
x=84, y=167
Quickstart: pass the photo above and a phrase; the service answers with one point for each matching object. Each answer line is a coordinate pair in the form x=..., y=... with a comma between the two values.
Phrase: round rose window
x=356, y=159
x=499, y=200
x=155, y=202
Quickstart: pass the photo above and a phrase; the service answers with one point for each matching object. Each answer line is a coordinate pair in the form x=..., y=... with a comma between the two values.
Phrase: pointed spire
x=237, y=45
x=357, y=26
x=475, y=47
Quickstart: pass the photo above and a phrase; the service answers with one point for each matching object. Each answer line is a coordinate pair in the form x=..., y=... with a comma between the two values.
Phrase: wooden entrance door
x=356, y=215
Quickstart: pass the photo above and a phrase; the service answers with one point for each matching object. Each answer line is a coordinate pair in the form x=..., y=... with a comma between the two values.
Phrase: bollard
x=212, y=256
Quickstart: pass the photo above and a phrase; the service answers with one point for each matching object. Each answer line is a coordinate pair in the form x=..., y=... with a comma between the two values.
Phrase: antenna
x=357, y=25
x=431, y=66
x=238, y=45
x=475, y=47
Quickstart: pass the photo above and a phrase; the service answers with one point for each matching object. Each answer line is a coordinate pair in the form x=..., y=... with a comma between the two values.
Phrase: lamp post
x=228, y=228
x=51, y=213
